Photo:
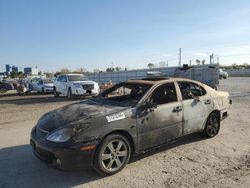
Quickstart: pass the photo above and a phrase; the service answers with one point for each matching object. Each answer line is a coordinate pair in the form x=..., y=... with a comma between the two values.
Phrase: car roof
x=153, y=81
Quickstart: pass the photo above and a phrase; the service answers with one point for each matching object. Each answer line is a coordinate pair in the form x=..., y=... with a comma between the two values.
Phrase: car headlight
x=61, y=135
x=97, y=87
x=78, y=85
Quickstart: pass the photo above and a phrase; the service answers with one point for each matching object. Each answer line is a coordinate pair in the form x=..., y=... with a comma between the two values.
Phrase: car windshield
x=77, y=78
x=124, y=94
x=47, y=81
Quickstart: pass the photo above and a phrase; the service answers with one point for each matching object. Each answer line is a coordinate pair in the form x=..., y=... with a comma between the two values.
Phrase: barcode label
x=115, y=117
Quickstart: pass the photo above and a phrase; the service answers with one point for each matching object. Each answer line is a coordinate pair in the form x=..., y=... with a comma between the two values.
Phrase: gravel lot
x=223, y=161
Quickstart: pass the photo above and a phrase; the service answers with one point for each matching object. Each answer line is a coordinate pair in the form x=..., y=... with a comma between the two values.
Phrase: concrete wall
x=207, y=74
x=239, y=73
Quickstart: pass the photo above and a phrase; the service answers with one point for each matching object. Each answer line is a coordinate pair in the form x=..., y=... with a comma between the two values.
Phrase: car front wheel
x=69, y=94
x=56, y=94
x=212, y=126
x=112, y=155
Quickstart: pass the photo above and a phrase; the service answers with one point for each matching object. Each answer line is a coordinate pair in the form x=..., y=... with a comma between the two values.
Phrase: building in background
x=14, y=69
x=10, y=68
x=28, y=71
x=31, y=71
x=7, y=68
x=2, y=75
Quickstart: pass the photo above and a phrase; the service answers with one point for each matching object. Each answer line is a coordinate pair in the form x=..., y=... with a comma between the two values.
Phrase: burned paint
x=132, y=114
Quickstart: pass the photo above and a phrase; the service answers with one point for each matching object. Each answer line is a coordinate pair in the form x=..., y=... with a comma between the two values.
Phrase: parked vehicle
x=23, y=87
x=5, y=86
x=42, y=85
x=71, y=85
x=222, y=74
x=129, y=118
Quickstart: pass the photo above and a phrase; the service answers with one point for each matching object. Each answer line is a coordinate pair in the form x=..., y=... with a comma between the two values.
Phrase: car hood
x=70, y=114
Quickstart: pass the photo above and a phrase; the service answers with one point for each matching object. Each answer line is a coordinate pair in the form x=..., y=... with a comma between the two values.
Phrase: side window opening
x=126, y=94
x=34, y=81
x=121, y=91
x=63, y=79
x=165, y=93
x=187, y=87
x=59, y=78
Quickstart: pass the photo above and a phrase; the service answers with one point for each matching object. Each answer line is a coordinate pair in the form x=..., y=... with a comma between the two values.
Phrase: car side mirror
x=192, y=96
x=149, y=105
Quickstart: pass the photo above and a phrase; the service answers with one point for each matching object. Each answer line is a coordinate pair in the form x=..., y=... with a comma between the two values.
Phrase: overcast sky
x=55, y=34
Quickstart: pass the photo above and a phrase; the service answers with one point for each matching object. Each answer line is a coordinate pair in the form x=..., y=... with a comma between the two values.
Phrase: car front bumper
x=224, y=113
x=48, y=89
x=66, y=156
x=81, y=91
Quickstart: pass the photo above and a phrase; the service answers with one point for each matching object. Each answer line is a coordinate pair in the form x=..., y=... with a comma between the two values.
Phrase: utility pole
x=190, y=62
x=180, y=58
x=211, y=58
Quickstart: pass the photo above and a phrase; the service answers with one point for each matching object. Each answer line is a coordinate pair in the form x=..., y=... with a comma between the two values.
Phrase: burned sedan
x=129, y=118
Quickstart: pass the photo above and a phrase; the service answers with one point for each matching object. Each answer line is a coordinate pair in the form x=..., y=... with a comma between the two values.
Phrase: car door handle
x=177, y=109
x=208, y=101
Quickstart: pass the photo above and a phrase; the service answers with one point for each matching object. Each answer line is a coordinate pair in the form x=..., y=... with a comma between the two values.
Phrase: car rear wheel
x=112, y=155
x=212, y=126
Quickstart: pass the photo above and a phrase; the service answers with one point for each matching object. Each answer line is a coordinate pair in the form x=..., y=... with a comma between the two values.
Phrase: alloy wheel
x=114, y=155
x=213, y=126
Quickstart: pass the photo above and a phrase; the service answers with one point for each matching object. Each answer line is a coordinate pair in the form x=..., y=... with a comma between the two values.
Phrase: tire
x=56, y=94
x=69, y=94
x=112, y=154
x=212, y=126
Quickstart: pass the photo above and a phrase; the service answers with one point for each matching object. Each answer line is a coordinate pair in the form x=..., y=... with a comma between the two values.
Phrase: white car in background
x=222, y=74
x=71, y=85
x=42, y=85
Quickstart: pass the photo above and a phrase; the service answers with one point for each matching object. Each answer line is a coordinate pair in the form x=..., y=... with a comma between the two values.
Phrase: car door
x=34, y=84
x=57, y=83
x=39, y=85
x=62, y=84
x=197, y=105
x=164, y=123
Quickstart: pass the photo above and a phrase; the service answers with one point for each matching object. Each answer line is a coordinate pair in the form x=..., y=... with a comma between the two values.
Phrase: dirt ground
x=223, y=161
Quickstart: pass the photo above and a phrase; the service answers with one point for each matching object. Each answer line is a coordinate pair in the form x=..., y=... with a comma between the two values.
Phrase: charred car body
x=129, y=118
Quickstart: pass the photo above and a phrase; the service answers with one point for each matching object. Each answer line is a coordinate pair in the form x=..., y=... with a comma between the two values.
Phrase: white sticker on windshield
x=115, y=117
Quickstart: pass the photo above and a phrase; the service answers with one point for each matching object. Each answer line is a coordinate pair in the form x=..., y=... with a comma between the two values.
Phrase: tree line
x=236, y=66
